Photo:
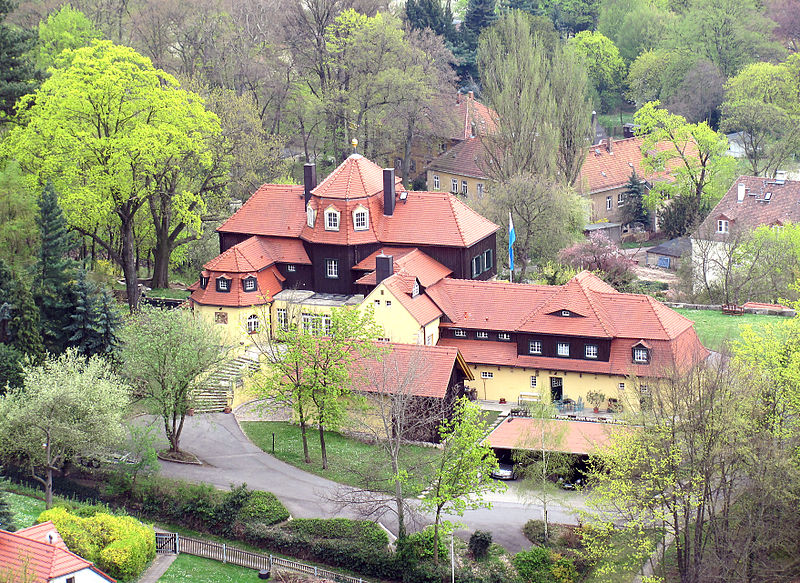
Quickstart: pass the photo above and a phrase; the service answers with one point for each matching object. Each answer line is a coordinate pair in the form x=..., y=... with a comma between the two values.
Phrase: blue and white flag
x=512, y=236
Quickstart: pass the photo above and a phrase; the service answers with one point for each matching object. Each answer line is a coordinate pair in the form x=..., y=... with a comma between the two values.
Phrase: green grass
x=172, y=294
x=347, y=458
x=199, y=570
x=611, y=120
x=641, y=244
x=715, y=329
x=490, y=417
x=25, y=508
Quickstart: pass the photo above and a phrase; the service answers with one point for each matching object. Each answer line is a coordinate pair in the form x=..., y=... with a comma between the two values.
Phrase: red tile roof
x=356, y=177
x=468, y=110
x=409, y=261
x=30, y=549
x=783, y=206
x=603, y=170
x=574, y=436
x=258, y=252
x=422, y=371
x=421, y=308
x=269, y=282
x=273, y=209
x=467, y=158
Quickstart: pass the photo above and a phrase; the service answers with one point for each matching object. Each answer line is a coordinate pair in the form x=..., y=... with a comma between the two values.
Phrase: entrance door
x=556, y=388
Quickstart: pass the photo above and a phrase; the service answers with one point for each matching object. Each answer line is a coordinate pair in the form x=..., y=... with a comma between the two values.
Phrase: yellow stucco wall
x=235, y=330
x=509, y=382
x=445, y=181
x=397, y=323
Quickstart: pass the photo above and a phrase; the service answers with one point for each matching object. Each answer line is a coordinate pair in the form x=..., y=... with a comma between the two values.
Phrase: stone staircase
x=216, y=392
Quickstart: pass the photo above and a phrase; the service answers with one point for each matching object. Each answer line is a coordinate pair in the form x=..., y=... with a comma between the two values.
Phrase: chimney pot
x=309, y=180
x=384, y=267
x=471, y=95
x=741, y=192
x=388, y=192
x=609, y=145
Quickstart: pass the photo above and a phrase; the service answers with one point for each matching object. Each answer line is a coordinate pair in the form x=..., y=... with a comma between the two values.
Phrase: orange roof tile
x=421, y=308
x=356, y=177
x=467, y=158
x=368, y=263
x=469, y=111
x=29, y=549
x=422, y=371
x=580, y=437
x=273, y=209
x=413, y=262
x=258, y=252
x=269, y=282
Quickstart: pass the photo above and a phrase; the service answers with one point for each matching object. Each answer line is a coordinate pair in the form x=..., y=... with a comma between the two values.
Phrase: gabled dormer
x=332, y=218
x=360, y=218
x=641, y=352
x=566, y=313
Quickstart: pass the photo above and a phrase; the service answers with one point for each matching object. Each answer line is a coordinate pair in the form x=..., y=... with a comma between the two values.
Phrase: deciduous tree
x=69, y=406
x=65, y=29
x=604, y=64
x=601, y=254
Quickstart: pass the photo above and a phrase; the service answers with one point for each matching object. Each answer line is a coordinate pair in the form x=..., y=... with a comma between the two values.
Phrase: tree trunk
x=407, y=156
x=322, y=447
x=436, y=537
x=129, y=263
x=398, y=499
x=305, y=440
x=161, y=255
x=48, y=488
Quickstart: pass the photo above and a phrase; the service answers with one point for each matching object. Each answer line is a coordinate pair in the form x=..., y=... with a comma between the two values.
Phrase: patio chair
x=579, y=405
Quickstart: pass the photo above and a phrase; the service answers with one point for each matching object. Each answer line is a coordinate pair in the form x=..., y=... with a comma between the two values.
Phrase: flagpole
x=512, y=236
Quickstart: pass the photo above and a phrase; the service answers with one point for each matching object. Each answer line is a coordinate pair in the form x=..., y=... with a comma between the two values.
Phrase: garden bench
x=732, y=309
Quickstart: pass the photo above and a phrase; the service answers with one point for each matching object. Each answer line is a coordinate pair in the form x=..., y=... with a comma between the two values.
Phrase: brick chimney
x=388, y=192
x=594, y=128
x=610, y=144
x=384, y=267
x=471, y=95
x=309, y=180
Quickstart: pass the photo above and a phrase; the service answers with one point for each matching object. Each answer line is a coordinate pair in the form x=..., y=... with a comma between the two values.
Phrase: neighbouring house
x=736, y=145
x=38, y=555
x=552, y=342
x=751, y=201
x=425, y=382
x=461, y=170
x=668, y=255
x=310, y=245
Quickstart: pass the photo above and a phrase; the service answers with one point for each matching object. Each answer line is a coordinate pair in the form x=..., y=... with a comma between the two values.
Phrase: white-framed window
x=590, y=351
x=454, y=186
x=487, y=260
x=415, y=290
x=332, y=268
x=436, y=184
x=388, y=303
x=250, y=284
x=281, y=316
x=487, y=375
x=429, y=340
x=460, y=333
x=609, y=203
x=223, y=284
x=562, y=349
x=326, y=325
x=331, y=220
x=377, y=302
x=533, y=382
x=252, y=324
x=480, y=189
x=306, y=320
x=644, y=389
x=477, y=265
x=203, y=281
x=291, y=267
x=311, y=214
x=535, y=347
x=383, y=339
x=504, y=336
x=621, y=199
x=722, y=226
x=464, y=188
x=622, y=386
x=566, y=313
x=482, y=335
x=360, y=219
x=641, y=355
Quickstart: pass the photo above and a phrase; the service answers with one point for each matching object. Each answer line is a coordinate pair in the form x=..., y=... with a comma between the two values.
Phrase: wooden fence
x=170, y=542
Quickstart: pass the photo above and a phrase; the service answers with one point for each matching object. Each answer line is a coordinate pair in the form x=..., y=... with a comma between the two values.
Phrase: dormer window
x=311, y=215
x=360, y=219
x=250, y=284
x=722, y=226
x=331, y=220
x=223, y=284
x=566, y=313
x=203, y=281
x=641, y=355
x=415, y=291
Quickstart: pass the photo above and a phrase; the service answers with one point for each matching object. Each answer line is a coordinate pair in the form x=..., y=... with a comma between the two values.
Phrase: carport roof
x=580, y=437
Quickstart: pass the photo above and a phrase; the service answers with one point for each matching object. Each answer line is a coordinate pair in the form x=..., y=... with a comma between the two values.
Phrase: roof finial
x=354, y=142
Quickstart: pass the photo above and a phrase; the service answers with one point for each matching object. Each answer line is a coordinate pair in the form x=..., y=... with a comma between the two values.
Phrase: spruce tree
x=635, y=210
x=18, y=75
x=19, y=317
x=422, y=14
x=6, y=515
x=84, y=328
x=11, y=374
x=108, y=321
x=53, y=272
x=480, y=14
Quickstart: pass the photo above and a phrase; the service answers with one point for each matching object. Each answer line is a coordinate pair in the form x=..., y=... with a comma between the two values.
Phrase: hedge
x=263, y=507
x=119, y=545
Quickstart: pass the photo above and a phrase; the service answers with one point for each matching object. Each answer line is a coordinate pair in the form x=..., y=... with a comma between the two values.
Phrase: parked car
x=505, y=471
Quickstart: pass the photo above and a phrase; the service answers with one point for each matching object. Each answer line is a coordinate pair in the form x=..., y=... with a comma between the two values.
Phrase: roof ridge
x=589, y=297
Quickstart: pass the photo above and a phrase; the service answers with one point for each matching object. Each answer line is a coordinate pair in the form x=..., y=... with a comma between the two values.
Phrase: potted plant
x=595, y=398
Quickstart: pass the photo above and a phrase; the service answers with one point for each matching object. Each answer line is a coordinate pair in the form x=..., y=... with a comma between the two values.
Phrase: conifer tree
x=422, y=14
x=108, y=322
x=480, y=14
x=6, y=515
x=19, y=317
x=18, y=75
x=636, y=211
x=53, y=272
x=84, y=328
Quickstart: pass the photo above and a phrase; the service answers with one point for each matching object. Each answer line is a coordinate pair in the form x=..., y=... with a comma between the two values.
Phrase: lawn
x=347, y=458
x=199, y=570
x=172, y=294
x=715, y=328
x=25, y=508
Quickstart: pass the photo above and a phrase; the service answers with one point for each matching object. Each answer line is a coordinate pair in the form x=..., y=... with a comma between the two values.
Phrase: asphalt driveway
x=231, y=458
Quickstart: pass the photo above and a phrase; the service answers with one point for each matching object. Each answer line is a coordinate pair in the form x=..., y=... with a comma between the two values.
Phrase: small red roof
x=356, y=177
x=41, y=551
x=474, y=118
x=258, y=252
x=421, y=308
x=412, y=262
x=269, y=282
x=422, y=371
x=467, y=158
x=274, y=209
x=580, y=437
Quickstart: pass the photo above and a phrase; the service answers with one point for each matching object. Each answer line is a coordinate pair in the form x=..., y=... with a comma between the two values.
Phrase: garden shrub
x=534, y=531
x=563, y=570
x=419, y=545
x=119, y=545
x=534, y=565
x=479, y=543
x=362, y=532
x=263, y=507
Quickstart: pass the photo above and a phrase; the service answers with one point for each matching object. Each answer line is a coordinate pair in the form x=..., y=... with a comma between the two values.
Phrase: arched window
x=252, y=324
x=331, y=219
x=360, y=218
